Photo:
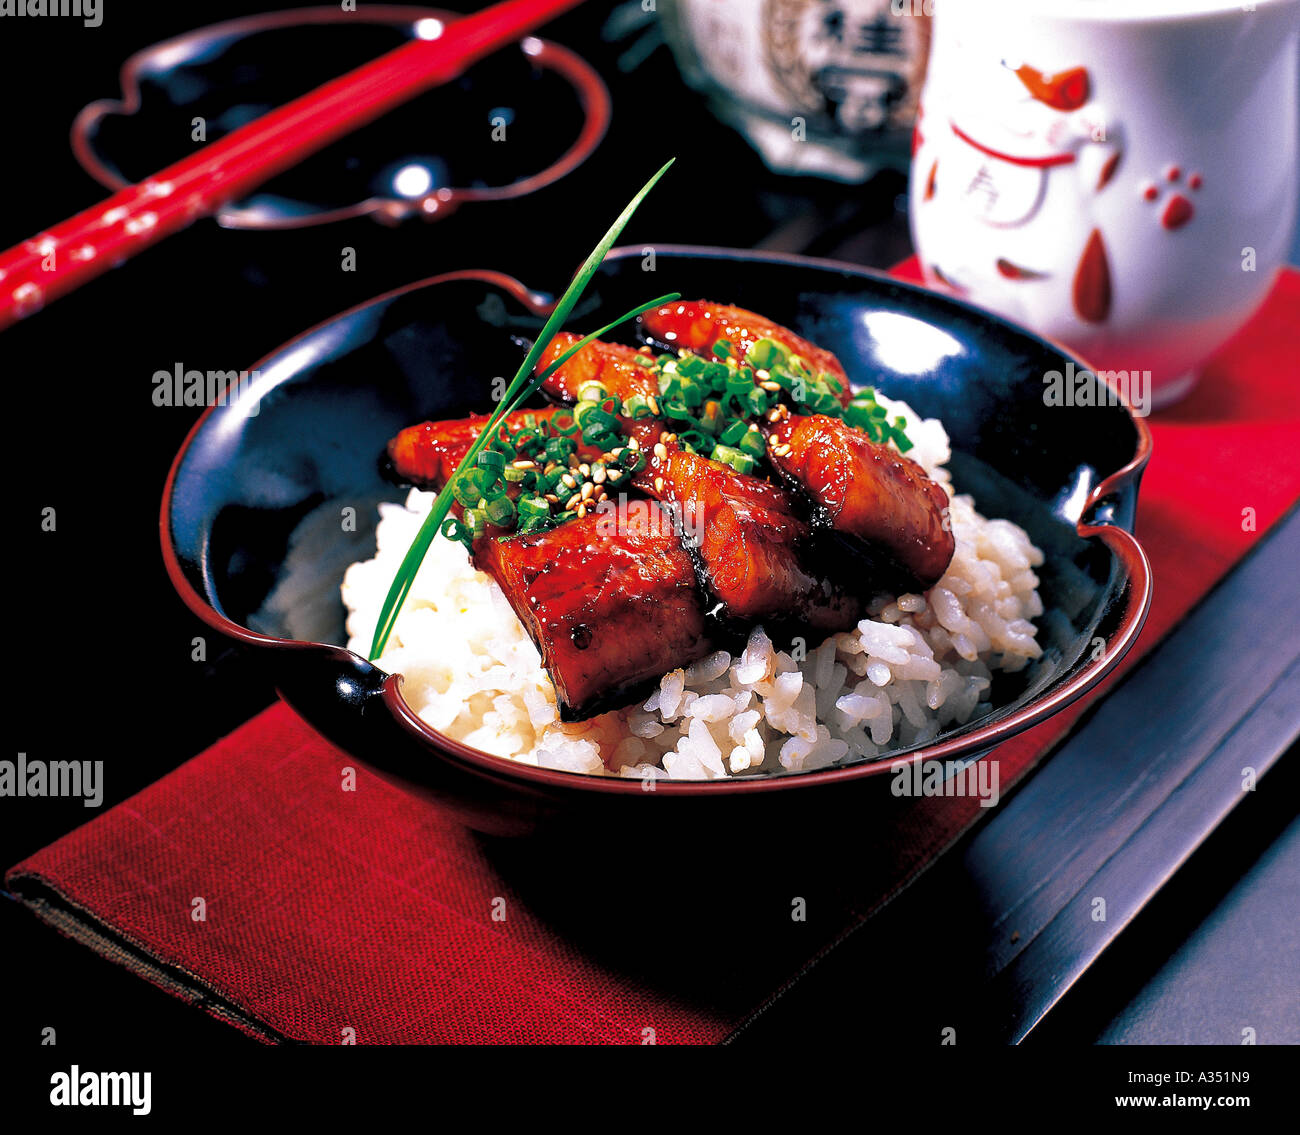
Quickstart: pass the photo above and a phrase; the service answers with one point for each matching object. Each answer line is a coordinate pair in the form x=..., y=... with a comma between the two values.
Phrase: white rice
x=918, y=665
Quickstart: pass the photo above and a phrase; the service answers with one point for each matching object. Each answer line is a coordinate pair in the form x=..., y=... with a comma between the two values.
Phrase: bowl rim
x=969, y=745
x=592, y=93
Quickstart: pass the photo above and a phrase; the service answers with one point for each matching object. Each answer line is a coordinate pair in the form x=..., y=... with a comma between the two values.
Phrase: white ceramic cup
x=1117, y=175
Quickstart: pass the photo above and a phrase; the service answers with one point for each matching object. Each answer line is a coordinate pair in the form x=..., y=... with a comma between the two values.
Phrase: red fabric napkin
x=369, y=915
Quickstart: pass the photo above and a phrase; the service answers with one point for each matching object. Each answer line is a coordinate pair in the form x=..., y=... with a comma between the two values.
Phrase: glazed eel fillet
x=611, y=605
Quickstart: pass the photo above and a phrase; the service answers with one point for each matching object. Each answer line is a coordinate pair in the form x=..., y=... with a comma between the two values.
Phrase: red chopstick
x=64, y=257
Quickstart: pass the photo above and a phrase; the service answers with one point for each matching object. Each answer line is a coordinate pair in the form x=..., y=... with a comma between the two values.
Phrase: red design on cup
x=1011, y=271
x=1108, y=171
x=1092, y=291
x=1065, y=90
x=1177, y=212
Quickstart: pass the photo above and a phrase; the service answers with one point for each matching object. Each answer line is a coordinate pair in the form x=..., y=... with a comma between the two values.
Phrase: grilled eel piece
x=611, y=601
x=868, y=492
x=756, y=553
x=698, y=324
x=427, y=454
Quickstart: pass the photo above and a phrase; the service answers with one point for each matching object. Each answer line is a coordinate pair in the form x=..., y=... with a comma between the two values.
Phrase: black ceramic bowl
x=254, y=543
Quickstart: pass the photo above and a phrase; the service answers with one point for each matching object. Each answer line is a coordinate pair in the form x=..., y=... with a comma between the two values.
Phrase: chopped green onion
x=453, y=529
x=741, y=462
x=757, y=402
x=734, y=432
x=765, y=354
x=691, y=366
x=466, y=491
x=637, y=407
x=559, y=448
x=500, y=511
x=737, y=383
x=491, y=460
x=753, y=443
x=823, y=402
